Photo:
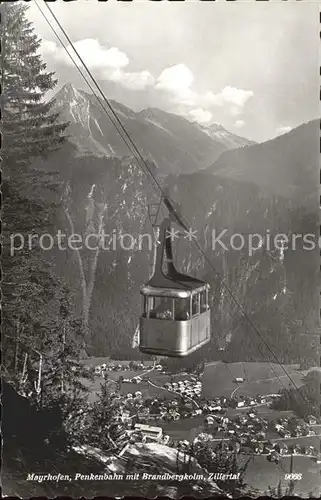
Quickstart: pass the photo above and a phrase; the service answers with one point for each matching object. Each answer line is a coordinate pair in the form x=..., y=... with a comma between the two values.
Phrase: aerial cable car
x=175, y=316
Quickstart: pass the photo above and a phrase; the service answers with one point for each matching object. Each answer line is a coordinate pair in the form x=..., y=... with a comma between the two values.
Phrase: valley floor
x=217, y=380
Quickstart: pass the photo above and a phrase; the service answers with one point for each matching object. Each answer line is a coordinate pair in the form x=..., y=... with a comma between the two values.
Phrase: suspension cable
x=146, y=169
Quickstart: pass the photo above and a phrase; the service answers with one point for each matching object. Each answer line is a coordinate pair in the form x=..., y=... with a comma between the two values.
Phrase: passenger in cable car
x=181, y=309
x=162, y=308
x=203, y=301
x=195, y=308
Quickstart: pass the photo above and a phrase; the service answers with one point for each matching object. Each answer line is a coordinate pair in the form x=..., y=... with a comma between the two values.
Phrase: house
x=240, y=404
x=311, y=420
x=144, y=412
x=209, y=420
x=239, y=380
x=284, y=450
x=166, y=439
x=259, y=448
x=124, y=417
x=138, y=394
x=149, y=432
x=274, y=456
x=129, y=395
x=159, y=368
x=97, y=370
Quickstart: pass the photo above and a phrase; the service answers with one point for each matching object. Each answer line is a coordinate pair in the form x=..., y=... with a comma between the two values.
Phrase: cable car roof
x=171, y=292
x=173, y=281
x=175, y=284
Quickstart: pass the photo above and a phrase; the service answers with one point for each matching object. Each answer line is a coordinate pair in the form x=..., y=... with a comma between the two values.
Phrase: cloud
x=48, y=47
x=109, y=63
x=239, y=123
x=94, y=55
x=238, y=97
x=135, y=80
x=283, y=129
x=201, y=115
x=177, y=80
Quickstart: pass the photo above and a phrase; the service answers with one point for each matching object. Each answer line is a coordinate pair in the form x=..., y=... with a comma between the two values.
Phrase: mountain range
x=285, y=165
x=175, y=145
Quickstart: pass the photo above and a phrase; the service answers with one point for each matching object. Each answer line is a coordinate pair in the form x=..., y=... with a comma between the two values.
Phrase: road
x=274, y=439
x=148, y=371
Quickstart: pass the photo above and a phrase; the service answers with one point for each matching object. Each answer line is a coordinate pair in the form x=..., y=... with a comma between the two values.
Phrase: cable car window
x=161, y=308
x=203, y=301
x=195, y=304
x=143, y=306
x=182, y=309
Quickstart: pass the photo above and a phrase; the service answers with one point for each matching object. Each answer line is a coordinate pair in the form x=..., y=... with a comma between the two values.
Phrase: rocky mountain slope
x=218, y=132
x=172, y=143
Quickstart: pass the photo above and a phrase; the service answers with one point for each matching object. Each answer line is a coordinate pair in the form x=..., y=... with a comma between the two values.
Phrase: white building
x=150, y=432
x=311, y=420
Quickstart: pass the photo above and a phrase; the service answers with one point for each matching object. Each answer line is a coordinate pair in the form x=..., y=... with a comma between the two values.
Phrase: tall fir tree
x=38, y=323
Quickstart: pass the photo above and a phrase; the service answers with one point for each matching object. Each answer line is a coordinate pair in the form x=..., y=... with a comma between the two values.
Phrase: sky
x=252, y=67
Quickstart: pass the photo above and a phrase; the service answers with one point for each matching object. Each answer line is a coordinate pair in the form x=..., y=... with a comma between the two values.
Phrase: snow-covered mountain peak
x=217, y=132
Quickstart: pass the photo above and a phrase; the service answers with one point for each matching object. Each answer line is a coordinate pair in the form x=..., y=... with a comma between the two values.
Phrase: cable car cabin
x=175, y=317
x=174, y=322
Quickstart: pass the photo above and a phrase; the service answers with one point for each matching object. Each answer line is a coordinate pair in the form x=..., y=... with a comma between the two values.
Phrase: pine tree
x=30, y=129
x=104, y=430
x=39, y=325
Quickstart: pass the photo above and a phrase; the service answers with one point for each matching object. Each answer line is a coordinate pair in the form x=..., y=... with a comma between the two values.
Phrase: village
x=231, y=424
